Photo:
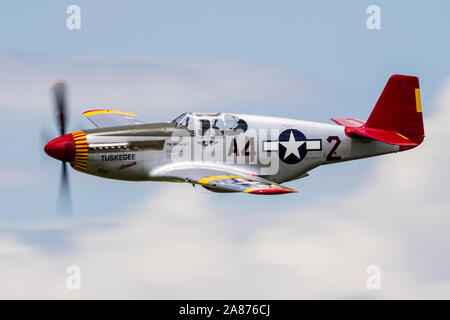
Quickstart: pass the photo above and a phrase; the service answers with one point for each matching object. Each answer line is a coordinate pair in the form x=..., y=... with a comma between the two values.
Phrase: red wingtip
x=271, y=191
x=93, y=110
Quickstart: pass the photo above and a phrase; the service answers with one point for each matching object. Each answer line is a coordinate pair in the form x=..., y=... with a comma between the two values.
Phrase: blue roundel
x=292, y=146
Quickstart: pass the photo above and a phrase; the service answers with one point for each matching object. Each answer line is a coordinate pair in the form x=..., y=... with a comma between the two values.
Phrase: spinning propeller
x=62, y=148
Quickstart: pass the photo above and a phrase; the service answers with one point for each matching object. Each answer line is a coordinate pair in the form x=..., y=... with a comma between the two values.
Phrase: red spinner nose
x=61, y=148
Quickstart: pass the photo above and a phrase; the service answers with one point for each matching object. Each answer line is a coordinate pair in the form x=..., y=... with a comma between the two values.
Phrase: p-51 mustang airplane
x=226, y=152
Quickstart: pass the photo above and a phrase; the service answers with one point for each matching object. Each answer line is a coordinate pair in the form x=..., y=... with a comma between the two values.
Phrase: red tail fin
x=399, y=108
x=397, y=116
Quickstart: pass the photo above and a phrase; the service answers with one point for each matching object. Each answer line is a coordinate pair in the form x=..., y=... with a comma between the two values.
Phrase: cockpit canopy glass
x=211, y=124
x=178, y=119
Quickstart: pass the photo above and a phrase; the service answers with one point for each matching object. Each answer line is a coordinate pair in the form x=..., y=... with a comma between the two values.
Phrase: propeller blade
x=59, y=92
x=64, y=204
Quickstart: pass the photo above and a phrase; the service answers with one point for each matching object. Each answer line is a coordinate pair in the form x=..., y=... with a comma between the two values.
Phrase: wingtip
x=270, y=191
x=93, y=110
x=100, y=111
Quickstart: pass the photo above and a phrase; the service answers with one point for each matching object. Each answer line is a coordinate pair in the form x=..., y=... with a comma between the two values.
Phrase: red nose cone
x=62, y=148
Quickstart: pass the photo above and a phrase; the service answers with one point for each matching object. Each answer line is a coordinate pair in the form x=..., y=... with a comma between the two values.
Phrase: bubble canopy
x=207, y=123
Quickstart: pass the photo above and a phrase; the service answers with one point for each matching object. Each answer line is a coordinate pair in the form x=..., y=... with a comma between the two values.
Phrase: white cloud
x=183, y=244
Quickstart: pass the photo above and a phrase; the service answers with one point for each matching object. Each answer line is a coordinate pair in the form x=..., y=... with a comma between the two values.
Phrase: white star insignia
x=292, y=146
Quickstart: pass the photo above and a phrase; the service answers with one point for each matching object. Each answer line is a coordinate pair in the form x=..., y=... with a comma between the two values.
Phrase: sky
x=303, y=60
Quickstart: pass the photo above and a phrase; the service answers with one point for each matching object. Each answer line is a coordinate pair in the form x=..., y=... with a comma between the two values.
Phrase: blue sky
x=327, y=42
x=309, y=60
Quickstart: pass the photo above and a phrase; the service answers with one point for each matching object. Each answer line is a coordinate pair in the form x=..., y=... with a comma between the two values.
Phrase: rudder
x=399, y=108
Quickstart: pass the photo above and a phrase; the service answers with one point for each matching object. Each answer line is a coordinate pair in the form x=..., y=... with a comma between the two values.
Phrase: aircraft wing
x=102, y=118
x=222, y=180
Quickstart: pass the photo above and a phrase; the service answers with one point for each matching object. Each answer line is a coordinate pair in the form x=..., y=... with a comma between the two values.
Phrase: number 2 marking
x=330, y=156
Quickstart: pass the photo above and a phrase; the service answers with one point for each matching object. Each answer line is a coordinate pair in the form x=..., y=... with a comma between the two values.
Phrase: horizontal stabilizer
x=348, y=122
x=386, y=136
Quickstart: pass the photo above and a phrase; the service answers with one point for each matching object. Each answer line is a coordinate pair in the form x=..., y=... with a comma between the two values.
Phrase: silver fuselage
x=140, y=152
